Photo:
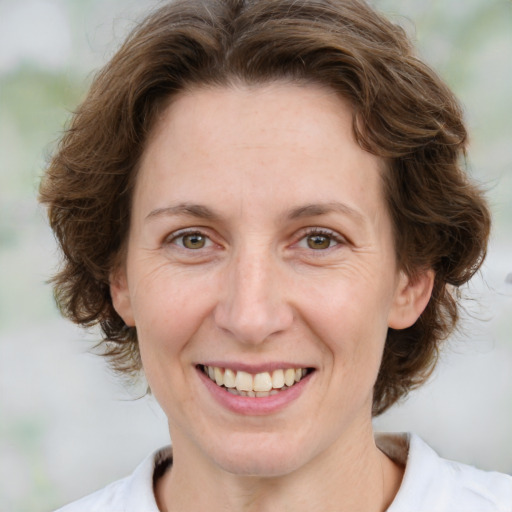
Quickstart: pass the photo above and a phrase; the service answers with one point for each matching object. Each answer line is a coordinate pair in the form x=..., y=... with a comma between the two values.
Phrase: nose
x=253, y=304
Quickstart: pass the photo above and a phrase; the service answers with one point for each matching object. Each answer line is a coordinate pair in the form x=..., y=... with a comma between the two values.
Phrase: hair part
x=403, y=112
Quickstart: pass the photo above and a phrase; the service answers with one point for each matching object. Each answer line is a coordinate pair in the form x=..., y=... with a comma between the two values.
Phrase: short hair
x=402, y=112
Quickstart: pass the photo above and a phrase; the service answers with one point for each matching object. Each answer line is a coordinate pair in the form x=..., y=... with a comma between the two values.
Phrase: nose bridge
x=253, y=306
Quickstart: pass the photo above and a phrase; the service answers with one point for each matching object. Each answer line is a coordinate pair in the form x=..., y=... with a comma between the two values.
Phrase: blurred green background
x=66, y=426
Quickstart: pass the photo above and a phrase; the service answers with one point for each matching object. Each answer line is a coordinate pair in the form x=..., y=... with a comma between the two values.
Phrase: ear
x=411, y=298
x=120, y=294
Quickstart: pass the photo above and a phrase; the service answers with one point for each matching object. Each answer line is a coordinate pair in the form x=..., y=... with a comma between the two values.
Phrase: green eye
x=319, y=242
x=194, y=241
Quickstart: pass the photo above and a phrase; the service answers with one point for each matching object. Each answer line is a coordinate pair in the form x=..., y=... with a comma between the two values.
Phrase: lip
x=257, y=406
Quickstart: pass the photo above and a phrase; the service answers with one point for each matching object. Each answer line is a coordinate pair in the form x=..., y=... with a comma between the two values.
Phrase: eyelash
x=332, y=235
x=314, y=231
x=173, y=237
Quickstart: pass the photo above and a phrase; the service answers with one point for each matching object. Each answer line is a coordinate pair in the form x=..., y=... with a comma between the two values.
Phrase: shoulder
x=107, y=499
x=432, y=483
x=131, y=494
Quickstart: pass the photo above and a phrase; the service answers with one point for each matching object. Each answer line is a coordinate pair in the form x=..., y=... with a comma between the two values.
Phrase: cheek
x=160, y=309
x=169, y=308
x=347, y=304
x=349, y=318
x=168, y=315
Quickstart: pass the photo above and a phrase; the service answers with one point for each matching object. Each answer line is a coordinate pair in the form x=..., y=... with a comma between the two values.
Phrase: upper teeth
x=260, y=382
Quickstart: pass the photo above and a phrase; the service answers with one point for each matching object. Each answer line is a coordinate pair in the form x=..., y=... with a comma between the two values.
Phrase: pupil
x=193, y=241
x=318, y=242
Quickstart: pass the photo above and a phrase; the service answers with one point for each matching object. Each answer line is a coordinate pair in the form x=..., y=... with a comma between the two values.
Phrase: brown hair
x=402, y=112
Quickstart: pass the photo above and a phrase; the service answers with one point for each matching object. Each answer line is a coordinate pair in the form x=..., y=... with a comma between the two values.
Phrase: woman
x=262, y=205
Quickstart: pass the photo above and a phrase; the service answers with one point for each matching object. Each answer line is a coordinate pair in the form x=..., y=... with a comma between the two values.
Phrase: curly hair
x=403, y=112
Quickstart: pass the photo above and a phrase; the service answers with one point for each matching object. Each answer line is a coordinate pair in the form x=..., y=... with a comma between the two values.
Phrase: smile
x=258, y=385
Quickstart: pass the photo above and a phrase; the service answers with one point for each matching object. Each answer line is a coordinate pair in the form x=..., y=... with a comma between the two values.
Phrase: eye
x=194, y=241
x=190, y=240
x=319, y=240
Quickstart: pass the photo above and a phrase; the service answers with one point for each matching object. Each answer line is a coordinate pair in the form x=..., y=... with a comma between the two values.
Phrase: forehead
x=283, y=142
x=266, y=112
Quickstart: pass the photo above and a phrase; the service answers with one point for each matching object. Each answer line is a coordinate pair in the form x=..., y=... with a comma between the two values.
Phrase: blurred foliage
x=26, y=437
x=33, y=105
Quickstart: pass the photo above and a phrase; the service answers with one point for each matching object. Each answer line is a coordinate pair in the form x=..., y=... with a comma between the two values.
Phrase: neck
x=351, y=476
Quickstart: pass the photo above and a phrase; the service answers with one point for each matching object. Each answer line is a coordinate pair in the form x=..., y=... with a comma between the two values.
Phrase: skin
x=256, y=293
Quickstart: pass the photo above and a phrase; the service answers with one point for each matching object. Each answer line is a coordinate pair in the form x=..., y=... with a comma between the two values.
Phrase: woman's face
x=261, y=251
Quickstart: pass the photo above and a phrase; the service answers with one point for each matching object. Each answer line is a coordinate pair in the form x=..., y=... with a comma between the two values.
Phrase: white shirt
x=430, y=484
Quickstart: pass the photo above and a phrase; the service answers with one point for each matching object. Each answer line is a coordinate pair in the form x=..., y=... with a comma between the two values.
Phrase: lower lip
x=254, y=406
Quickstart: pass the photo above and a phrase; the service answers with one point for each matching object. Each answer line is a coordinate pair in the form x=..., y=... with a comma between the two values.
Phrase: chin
x=259, y=456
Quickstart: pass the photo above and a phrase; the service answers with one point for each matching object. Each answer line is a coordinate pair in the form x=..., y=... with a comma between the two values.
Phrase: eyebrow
x=194, y=210
x=317, y=209
x=311, y=210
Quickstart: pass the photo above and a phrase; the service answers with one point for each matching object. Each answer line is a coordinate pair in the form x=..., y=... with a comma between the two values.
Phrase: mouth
x=257, y=385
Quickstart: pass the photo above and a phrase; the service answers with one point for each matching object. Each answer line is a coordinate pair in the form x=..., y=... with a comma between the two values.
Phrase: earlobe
x=411, y=298
x=120, y=295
